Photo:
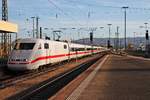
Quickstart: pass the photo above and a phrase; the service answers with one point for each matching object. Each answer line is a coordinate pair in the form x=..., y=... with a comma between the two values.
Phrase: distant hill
x=103, y=41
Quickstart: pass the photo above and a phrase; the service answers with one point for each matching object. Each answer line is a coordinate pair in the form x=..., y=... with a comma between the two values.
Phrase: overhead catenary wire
x=116, y=7
x=75, y=2
x=108, y=6
x=62, y=11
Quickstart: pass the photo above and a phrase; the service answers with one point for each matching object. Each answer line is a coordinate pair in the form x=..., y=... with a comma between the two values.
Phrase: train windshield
x=24, y=46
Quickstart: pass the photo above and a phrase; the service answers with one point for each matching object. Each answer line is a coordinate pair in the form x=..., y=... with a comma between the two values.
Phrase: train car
x=29, y=54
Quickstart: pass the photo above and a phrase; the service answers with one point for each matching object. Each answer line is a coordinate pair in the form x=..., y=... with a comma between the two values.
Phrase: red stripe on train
x=48, y=57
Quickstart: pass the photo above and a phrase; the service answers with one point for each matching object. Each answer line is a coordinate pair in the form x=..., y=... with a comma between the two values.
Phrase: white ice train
x=29, y=54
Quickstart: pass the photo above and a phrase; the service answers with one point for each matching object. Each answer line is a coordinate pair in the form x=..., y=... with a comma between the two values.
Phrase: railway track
x=49, y=87
x=10, y=78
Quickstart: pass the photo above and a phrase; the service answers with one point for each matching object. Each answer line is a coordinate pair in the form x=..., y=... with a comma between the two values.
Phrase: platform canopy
x=7, y=27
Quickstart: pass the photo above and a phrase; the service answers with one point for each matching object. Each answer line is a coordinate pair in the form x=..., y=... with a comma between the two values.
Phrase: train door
x=47, y=51
x=69, y=49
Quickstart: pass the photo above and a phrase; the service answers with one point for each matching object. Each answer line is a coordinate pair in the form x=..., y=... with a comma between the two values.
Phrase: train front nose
x=18, y=66
x=19, y=61
x=19, y=58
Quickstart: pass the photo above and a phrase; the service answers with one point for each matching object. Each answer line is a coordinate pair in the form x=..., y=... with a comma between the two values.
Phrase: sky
x=80, y=14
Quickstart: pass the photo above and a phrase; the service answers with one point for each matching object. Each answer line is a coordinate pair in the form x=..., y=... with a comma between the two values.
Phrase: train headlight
x=9, y=59
x=12, y=59
x=25, y=59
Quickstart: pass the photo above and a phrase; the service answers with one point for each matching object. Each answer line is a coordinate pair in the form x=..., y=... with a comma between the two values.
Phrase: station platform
x=118, y=78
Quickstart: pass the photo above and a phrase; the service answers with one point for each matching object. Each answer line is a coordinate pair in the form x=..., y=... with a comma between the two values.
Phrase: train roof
x=35, y=40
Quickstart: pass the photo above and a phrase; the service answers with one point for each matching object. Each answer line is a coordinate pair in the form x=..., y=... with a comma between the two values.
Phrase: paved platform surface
x=120, y=78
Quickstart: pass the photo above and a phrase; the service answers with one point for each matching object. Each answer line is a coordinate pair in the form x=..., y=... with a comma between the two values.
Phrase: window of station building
x=46, y=45
x=65, y=46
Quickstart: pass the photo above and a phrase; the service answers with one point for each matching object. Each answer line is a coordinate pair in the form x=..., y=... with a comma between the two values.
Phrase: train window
x=73, y=49
x=89, y=48
x=81, y=49
x=65, y=46
x=24, y=46
x=77, y=49
x=16, y=47
x=46, y=46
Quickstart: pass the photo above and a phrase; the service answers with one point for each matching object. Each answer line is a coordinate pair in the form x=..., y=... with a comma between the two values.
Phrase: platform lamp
x=108, y=41
x=147, y=40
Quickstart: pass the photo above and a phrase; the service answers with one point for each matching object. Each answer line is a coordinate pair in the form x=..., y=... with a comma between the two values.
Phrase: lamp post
x=101, y=29
x=134, y=33
x=125, y=24
x=108, y=41
x=146, y=26
x=33, y=19
x=103, y=35
x=117, y=39
x=147, y=39
x=45, y=33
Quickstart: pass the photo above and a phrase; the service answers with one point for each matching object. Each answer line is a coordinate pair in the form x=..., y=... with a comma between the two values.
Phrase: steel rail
x=10, y=80
x=48, y=88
